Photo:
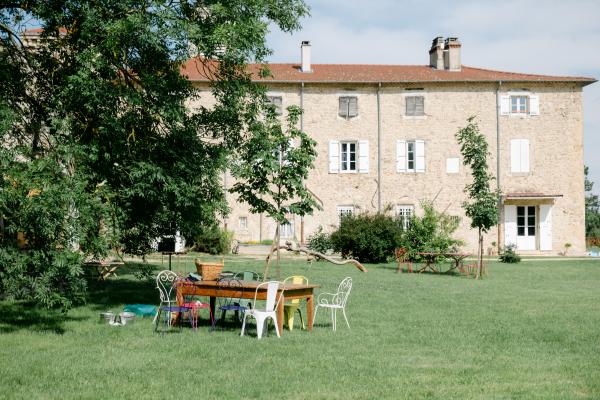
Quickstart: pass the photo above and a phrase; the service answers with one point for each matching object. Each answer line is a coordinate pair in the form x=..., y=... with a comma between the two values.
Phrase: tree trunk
x=479, y=255
x=268, y=260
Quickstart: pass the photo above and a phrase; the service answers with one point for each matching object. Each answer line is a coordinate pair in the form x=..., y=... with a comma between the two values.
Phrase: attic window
x=348, y=107
x=415, y=105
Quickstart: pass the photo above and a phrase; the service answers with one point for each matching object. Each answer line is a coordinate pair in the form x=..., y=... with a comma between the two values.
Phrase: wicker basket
x=209, y=271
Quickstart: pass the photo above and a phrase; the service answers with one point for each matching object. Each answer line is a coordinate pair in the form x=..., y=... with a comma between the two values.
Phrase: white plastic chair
x=335, y=301
x=261, y=315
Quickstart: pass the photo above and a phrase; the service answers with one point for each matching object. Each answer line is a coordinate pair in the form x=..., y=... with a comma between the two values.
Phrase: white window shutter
x=504, y=105
x=524, y=155
x=534, y=105
x=400, y=156
x=352, y=106
x=363, y=156
x=334, y=156
x=510, y=225
x=420, y=155
x=343, y=107
x=545, y=227
x=515, y=155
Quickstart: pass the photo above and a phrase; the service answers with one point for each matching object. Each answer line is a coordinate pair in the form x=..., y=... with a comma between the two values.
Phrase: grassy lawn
x=528, y=331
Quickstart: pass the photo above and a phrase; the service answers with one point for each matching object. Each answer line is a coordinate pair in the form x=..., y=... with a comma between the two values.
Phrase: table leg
x=280, y=315
x=213, y=303
x=310, y=311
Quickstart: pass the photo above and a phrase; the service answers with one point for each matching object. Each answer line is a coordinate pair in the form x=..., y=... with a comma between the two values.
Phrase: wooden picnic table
x=105, y=268
x=431, y=259
x=290, y=292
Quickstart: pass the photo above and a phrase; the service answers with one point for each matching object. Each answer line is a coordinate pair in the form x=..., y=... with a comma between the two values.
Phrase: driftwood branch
x=288, y=246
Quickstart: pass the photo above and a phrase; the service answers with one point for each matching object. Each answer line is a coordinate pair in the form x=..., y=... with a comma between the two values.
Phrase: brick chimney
x=452, y=54
x=436, y=53
x=305, y=49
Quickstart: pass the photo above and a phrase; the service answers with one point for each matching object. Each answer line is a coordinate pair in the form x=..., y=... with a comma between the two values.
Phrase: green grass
x=527, y=331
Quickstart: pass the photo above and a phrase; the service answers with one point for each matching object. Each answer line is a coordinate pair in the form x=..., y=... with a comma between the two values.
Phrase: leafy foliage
x=508, y=255
x=592, y=209
x=213, y=240
x=431, y=232
x=320, y=241
x=103, y=96
x=483, y=206
x=272, y=166
x=367, y=237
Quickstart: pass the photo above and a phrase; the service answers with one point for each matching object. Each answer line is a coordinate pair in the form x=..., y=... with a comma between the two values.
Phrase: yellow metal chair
x=290, y=308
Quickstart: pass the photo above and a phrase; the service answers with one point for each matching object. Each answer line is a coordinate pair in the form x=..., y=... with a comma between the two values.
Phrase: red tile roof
x=363, y=73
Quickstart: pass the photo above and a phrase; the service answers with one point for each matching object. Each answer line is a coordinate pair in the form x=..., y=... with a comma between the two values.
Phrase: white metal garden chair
x=269, y=311
x=335, y=301
x=166, y=283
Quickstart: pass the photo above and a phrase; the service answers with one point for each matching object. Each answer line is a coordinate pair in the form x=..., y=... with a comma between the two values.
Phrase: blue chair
x=229, y=298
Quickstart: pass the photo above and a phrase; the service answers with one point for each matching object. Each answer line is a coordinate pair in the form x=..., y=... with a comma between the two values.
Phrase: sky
x=540, y=37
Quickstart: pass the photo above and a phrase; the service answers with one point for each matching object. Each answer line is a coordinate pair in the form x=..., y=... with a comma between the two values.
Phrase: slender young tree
x=271, y=170
x=482, y=208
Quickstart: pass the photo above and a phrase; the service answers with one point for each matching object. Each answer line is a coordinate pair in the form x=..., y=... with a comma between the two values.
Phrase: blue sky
x=549, y=37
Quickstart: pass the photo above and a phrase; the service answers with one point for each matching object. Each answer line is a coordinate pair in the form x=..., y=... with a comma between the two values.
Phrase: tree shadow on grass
x=111, y=293
x=15, y=316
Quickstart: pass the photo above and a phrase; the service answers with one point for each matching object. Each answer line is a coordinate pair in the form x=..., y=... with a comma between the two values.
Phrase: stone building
x=385, y=138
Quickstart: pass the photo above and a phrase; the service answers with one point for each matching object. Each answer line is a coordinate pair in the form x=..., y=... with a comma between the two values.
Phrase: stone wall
x=556, y=152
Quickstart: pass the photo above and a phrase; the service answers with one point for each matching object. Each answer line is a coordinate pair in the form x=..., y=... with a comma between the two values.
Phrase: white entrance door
x=526, y=227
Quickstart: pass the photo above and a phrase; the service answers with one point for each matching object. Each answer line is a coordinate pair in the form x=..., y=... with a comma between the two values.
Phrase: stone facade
x=541, y=181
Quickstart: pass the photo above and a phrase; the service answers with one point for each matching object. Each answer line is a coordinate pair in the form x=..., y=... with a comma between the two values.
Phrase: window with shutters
x=520, y=104
x=519, y=156
x=348, y=157
x=277, y=102
x=243, y=223
x=348, y=107
x=410, y=156
x=415, y=106
x=405, y=213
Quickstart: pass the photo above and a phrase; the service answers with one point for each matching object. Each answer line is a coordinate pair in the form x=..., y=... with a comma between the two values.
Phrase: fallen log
x=289, y=247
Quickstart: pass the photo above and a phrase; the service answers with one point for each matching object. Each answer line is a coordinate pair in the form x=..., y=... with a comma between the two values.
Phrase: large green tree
x=482, y=208
x=102, y=95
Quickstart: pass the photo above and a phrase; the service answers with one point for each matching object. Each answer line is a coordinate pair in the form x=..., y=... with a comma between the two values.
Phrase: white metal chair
x=166, y=283
x=335, y=301
x=261, y=315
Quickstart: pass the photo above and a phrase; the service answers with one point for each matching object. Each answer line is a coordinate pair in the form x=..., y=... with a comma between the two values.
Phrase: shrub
x=430, y=233
x=213, y=240
x=508, y=255
x=367, y=237
x=266, y=242
x=320, y=241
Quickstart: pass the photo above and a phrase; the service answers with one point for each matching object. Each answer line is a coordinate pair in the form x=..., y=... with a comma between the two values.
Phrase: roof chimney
x=452, y=54
x=305, y=48
x=436, y=53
